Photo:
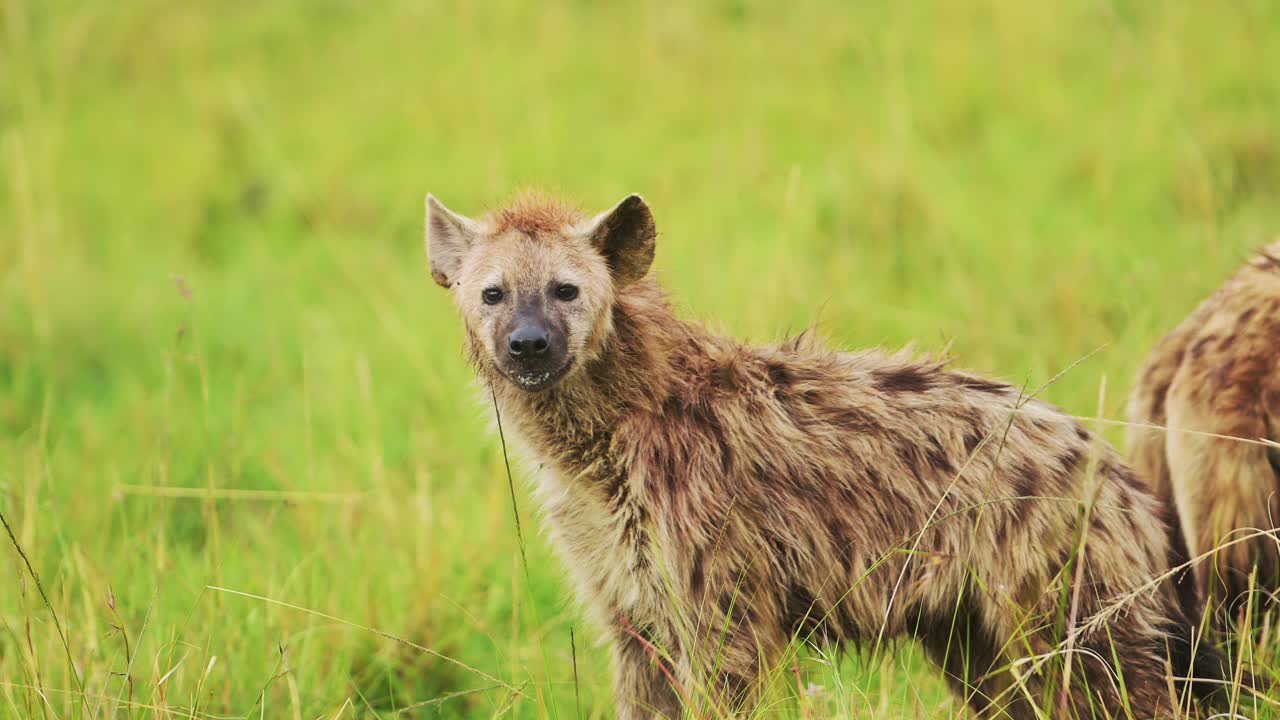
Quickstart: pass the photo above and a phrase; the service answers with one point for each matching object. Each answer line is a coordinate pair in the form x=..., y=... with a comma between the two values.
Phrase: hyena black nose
x=528, y=341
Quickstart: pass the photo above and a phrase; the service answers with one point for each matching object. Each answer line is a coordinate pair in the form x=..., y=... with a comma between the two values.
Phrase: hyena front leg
x=641, y=685
x=726, y=672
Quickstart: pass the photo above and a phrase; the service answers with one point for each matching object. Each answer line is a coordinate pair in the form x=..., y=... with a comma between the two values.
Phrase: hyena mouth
x=536, y=380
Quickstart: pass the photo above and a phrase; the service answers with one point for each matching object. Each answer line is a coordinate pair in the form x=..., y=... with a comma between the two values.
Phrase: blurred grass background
x=212, y=279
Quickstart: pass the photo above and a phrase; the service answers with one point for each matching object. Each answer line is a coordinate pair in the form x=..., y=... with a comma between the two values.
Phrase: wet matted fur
x=1219, y=372
x=716, y=502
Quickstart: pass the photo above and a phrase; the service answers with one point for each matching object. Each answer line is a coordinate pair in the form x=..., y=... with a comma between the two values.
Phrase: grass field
x=238, y=440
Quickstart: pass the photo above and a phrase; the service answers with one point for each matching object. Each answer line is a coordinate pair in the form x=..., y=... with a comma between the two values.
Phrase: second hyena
x=717, y=503
x=1217, y=375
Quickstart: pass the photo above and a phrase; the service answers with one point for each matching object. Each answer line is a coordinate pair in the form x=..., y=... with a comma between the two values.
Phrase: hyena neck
x=572, y=425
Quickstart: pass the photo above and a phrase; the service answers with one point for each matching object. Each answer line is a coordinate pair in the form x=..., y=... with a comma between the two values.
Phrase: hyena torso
x=717, y=504
x=1218, y=373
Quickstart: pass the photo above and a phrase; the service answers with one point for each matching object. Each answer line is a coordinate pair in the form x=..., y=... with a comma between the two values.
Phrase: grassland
x=238, y=442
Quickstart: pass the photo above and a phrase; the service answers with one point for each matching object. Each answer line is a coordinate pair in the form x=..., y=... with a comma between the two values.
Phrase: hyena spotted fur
x=714, y=502
x=1218, y=373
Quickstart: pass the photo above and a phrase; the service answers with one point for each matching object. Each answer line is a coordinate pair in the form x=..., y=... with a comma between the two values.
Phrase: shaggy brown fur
x=716, y=503
x=1219, y=372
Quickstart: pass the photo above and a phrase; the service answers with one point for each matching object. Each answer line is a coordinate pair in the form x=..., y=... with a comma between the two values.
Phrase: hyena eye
x=567, y=292
x=491, y=296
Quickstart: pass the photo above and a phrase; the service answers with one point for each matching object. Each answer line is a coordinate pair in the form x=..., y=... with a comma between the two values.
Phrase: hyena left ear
x=626, y=237
x=449, y=237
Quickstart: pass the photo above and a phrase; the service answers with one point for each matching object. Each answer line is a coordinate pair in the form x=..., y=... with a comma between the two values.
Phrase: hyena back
x=714, y=502
x=1218, y=374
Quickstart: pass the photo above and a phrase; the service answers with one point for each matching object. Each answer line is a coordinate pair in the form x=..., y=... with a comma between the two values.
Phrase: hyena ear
x=625, y=236
x=449, y=237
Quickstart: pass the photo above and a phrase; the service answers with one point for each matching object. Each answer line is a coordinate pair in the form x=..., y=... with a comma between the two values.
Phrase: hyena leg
x=641, y=685
x=964, y=645
x=725, y=676
x=1228, y=491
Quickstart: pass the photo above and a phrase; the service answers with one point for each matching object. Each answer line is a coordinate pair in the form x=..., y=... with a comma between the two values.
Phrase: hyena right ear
x=449, y=237
x=626, y=237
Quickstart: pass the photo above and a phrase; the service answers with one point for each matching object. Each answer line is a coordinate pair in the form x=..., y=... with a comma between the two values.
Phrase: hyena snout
x=532, y=352
x=529, y=341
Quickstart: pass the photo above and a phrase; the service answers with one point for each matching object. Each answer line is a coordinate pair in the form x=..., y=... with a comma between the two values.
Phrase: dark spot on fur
x=1197, y=348
x=1096, y=527
x=733, y=606
x=970, y=382
x=781, y=552
x=957, y=640
x=635, y=537
x=972, y=440
x=1247, y=315
x=726, y=455
x=616, y=491
x=908, y=379
x=1070, y=460
x=1026, y=479
x=805, y=485
x=937, y=457
x=701, y=418
x=804, y=618
x=851, y=419
x=1082, y=433
x=1124, y=476
x=910, y=456
x=1002, y=528
x=633, y=527
x=836, y=532
x=697, y=574
x=722, y=378
x=779, y=375
x=798, y=411
x=873, y=477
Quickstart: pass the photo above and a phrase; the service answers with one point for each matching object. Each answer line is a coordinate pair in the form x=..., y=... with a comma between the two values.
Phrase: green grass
x=212, y=277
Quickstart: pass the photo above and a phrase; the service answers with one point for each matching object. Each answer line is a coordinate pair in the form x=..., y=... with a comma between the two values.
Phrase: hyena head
x=536, y=282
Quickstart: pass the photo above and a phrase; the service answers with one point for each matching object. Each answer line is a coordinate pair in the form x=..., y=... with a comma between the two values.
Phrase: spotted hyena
x=1218, y=374
x=718, y=504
